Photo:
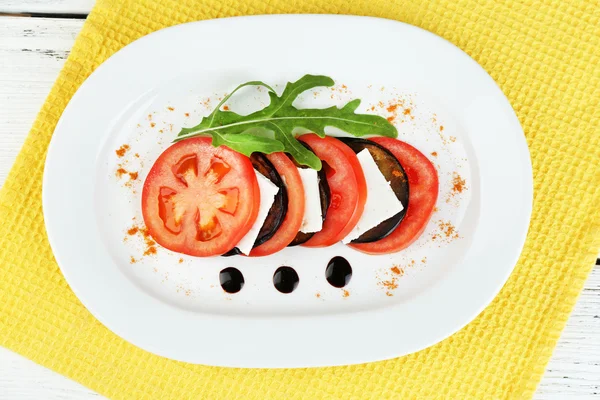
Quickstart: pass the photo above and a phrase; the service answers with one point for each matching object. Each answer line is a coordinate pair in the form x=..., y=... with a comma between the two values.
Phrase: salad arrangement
x=255, y=184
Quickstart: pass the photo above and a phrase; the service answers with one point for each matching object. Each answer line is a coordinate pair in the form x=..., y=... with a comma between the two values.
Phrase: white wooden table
x=32, y=52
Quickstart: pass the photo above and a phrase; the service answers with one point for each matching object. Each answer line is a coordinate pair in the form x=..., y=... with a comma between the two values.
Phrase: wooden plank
x=574, y=369
x=22, y=379
x=47, y=6
x=32, y=51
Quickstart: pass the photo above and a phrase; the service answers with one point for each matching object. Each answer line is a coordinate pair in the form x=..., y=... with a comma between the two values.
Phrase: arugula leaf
x=281, y=117
x=301, y=154
x=246, y=143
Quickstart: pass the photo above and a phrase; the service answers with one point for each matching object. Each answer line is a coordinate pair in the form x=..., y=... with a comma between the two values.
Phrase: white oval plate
x=174, y=306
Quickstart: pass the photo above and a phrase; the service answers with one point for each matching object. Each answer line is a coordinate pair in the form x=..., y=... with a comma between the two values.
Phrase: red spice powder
x=394, y=107
x=171, y=108
x=448, y=230
x=136, y=155
x=345, y=293
x=318, y=295
x=145, y=233
x=453, y=139
x=458, y=184
x=407, y=111
x=180, y=260
x=122, y=150
x=226, y=107
x=152, y=124
x=391, y=283
x=132, y=260
x=148, y=241
x=434, y=153
x=120, y=172
x=389, y=286
x=187, y=114
x=441, y=128
x=398, y=270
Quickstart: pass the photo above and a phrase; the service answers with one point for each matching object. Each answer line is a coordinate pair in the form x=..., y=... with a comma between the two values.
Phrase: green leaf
x=293, y=90
x=283, y=118
x=301, y=154
x=247, y=144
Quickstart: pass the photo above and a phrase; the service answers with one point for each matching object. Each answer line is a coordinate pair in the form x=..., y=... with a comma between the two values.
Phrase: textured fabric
x=545, y=57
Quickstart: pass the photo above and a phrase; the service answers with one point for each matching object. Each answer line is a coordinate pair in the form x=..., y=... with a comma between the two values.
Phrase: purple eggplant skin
x=394, y=173
x=277, y=211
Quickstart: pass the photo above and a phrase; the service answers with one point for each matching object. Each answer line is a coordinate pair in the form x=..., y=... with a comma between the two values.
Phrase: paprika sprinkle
x=122, y=150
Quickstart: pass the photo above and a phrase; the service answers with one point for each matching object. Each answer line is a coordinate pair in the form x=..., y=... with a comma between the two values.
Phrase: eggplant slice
x=279, y=207
x=325, y=197
x=393, y=172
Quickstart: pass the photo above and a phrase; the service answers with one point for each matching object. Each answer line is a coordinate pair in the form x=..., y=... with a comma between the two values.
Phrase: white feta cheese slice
x=268, y=190
x=382, y=202
x=313, y=218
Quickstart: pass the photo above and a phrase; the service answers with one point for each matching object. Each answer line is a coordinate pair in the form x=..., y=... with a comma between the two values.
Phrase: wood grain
x=22, y=379
x=32, y=52
x=47, y=6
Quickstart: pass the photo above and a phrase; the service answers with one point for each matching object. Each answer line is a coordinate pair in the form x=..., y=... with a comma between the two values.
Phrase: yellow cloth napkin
x=543, y=54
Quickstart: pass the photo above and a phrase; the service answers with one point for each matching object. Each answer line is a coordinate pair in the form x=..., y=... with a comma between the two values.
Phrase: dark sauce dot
x=232, y=280
x=285, y=279
x=338, y=272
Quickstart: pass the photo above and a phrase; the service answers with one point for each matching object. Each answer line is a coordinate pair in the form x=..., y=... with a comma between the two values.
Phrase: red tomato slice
x=423, y=192
x=343, y=185
x=295, y=209
x=362, y=187
x=199, y=199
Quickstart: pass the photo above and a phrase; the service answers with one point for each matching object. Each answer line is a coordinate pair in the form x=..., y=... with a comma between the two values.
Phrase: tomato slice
x=199, y=199
x=423, y=192
x=361, y=187
x=343, y=185
x=295, y=208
